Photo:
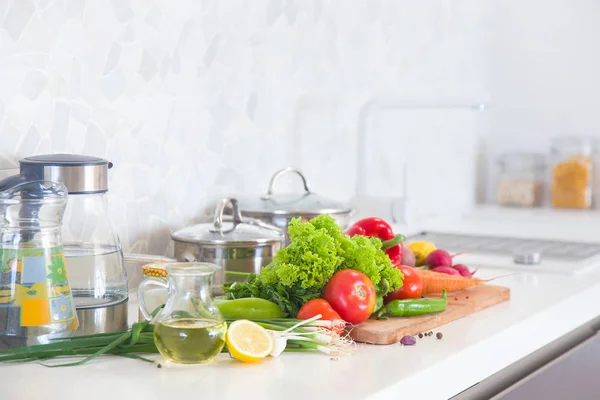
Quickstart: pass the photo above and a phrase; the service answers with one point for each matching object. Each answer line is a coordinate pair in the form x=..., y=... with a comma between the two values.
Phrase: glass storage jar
x=572, y=172
x=521, y=179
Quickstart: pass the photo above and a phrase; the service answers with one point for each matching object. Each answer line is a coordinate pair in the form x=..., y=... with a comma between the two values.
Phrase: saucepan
x=240, y=244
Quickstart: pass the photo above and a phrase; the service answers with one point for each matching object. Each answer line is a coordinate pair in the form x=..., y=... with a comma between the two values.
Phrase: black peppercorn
x=159, y=366
x=439, y=335
x=420, y=336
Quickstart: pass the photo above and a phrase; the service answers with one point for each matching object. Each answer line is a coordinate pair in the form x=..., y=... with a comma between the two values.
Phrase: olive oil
x=190, y=340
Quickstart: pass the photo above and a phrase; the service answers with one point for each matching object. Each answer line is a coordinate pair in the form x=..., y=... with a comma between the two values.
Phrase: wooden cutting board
x=460, y=304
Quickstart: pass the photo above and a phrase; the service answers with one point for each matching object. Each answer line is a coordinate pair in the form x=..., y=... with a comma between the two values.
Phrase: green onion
x=138, y=339
x=306, y=335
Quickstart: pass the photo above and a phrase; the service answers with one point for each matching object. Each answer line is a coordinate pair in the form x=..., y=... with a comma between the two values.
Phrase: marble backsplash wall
x=194, y=99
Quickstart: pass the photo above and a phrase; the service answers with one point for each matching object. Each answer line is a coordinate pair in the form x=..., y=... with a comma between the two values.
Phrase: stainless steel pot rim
x=227, y=243
x=308, y=214
x=198, y=234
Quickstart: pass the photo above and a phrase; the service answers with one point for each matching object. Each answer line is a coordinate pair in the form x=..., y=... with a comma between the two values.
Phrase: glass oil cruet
x=36, y=303
x=190, y=328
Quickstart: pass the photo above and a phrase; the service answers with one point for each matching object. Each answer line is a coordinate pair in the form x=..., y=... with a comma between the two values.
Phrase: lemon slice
x=247, y=341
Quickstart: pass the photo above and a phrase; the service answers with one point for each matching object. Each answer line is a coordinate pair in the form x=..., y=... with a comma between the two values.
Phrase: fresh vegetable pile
x=326, y=278
x=347, y=277
x=318, y=249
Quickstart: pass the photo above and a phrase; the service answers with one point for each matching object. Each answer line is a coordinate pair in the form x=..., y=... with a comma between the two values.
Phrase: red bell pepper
x=376, y=227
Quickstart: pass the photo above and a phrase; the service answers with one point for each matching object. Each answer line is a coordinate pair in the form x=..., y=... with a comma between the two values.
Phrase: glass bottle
x=521, y=179
x=36, y=304
x=572, y=181
x=190, y=328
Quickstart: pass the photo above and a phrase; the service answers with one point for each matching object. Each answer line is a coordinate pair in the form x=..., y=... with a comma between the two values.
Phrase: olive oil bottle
x=190, y=340
x=189, y=329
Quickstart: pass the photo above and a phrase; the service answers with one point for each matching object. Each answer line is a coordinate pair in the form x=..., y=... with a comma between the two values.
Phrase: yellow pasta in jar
x=571, y=183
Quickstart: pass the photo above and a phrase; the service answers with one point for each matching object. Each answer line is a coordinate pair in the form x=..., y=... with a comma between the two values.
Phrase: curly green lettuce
x=318, y=249
x=309, y=261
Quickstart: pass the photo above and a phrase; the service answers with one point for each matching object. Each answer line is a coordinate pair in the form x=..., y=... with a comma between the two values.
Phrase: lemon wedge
x=247, y=341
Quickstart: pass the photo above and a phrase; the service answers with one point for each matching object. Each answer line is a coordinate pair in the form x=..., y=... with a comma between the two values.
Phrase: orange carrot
x=436, y=282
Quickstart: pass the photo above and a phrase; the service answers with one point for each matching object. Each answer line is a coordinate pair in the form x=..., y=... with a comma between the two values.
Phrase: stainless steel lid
x=307, y=203
x=239, y=232
x=80, y=174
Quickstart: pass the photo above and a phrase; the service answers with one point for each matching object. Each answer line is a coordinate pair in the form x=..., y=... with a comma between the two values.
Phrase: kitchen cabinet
x=565, y=368
x=574, y=375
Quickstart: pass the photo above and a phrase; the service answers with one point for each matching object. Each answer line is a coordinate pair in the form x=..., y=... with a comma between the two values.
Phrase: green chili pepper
x=413, y=307
x=249, y=308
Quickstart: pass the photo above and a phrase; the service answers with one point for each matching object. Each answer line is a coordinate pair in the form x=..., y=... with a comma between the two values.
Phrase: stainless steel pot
x=239, y=245
x=279, y=209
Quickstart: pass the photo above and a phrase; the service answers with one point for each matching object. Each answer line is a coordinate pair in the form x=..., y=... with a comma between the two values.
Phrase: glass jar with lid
x=521, y=179
x=572, y=179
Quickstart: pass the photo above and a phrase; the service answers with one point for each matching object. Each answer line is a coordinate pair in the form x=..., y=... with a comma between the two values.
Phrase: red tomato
x=412, y=285
x=352, y=295
x=320, y=306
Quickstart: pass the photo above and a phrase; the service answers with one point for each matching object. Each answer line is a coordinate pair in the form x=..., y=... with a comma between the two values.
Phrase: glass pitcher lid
x=234, y=232
x=31, y=205
x=21, y=189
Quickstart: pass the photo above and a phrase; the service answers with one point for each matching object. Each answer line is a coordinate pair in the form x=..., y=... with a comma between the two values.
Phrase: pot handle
x=220, y=209
x=279, y=174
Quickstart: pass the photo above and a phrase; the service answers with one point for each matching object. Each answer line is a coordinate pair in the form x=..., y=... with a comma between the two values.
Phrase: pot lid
x=292, y=204
x=236, y=232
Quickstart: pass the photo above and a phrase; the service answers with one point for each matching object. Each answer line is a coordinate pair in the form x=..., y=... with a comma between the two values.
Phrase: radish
x=438, y=258
x=464, y=270
x=446, y=270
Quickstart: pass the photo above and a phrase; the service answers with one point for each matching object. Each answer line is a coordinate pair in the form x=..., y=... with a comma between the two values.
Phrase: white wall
x=545, y=75
x=193, y=99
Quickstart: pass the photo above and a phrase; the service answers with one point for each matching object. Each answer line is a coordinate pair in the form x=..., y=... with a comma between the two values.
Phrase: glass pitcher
x=92, y=248
x=190, y=328
x=36, y=304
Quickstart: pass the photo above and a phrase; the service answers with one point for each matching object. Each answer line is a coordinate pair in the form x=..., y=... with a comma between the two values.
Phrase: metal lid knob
x=79, y=173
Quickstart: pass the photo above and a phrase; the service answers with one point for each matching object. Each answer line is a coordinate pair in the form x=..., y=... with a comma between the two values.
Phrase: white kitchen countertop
x=543, y=308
